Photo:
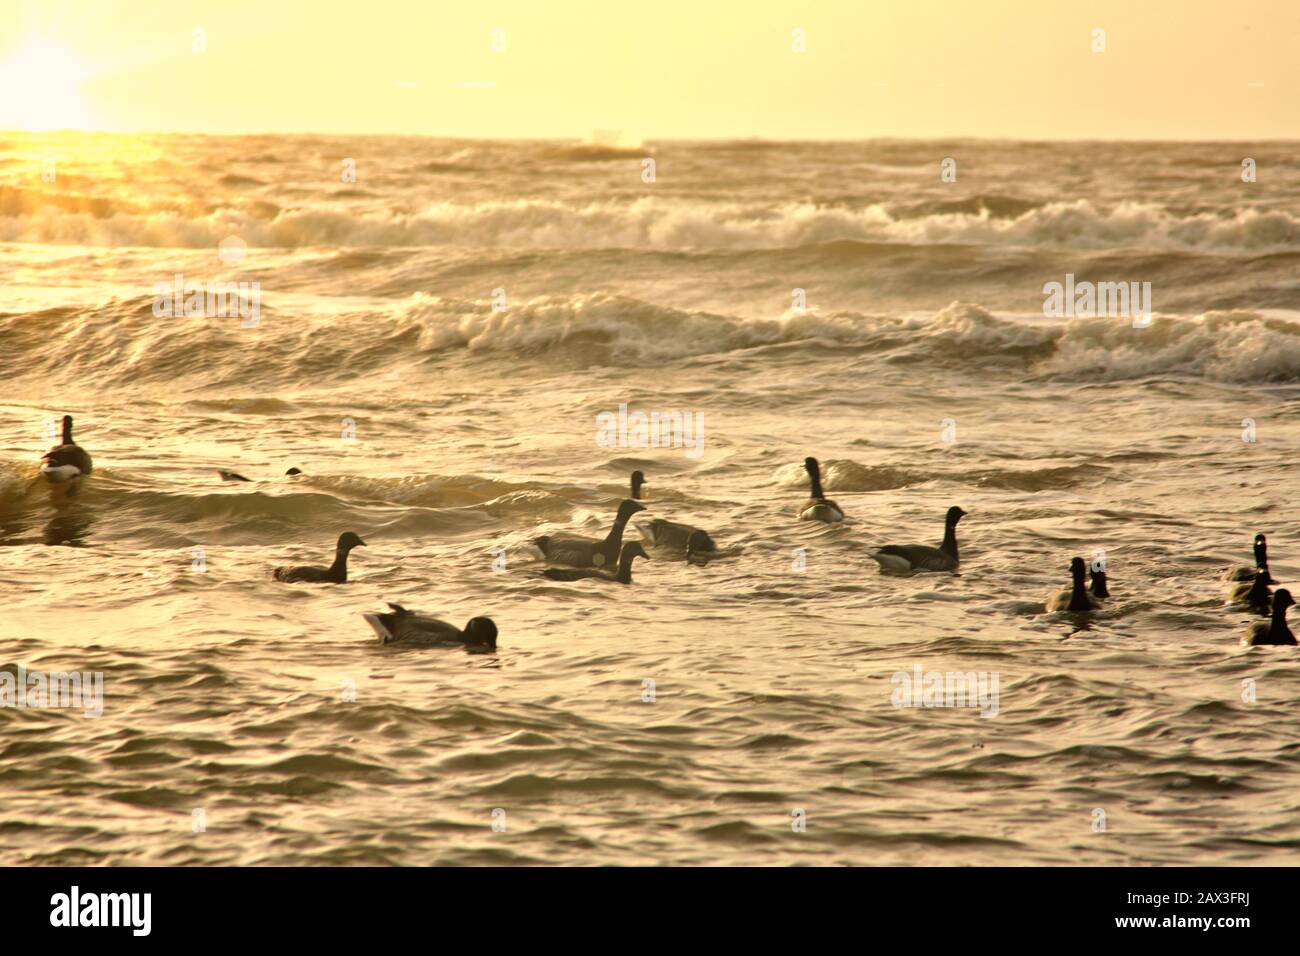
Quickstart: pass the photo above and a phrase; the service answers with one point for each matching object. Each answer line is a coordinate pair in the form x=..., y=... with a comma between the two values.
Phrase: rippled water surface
x=697, y=714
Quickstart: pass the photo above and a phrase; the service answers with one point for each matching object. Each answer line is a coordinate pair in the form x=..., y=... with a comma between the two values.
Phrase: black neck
x=1259, y=590
x=1278, y=626
x=624, y=575
x=615, y=535
x=340, y=565
x=67, y=432
x=949, y=545
x=1079, y=596
x=816, y=481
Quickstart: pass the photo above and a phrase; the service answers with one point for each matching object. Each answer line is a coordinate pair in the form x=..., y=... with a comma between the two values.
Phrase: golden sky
x=1176, y=69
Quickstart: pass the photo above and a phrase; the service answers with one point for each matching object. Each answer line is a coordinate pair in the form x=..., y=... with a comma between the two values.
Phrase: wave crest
x=122, y=343
x=649, y=223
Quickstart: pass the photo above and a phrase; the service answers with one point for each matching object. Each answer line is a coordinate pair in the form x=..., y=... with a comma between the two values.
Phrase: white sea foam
x=652, y=223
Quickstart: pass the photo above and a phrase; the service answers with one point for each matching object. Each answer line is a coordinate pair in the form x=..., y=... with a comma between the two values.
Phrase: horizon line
x=649, y=139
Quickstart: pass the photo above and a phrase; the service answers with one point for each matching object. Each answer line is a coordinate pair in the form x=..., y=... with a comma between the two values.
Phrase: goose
x=336, y=573
x=587, y=552
x=1098, y=583
x=236, y=476
x=1077, y=598
x=902, y=558
x=1247, y=572
x=679, y=537
x=623, y=575
x=700, y=549
x=638, y=479
x=1275, y=631
x=818, y=507
x=1255, y=595
x=67, y=460
x=411, y=627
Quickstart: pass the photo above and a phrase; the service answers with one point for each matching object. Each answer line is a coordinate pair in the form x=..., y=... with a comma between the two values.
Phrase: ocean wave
x=594, y=153
x=650, y=223
x=1236, y=346
x=121, y=343
x=993, y=205
x=845, y=475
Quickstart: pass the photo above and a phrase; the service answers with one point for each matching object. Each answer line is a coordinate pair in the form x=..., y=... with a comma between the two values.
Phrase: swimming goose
x=236, y=476
x=623, y=575
x=902, y=558
x=412, y=627
x=1098, y=585
x=700, y=549
x=670, y=534
x=67, y=460
x=638, y=479
x=1077, y=598
x=1255, y=595
x=587, y=552
x=818, y=507
x=1275, y=631
x=1247, y=572
x=336, y=573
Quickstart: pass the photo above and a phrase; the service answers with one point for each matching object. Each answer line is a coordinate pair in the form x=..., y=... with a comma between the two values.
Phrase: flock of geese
x=609, y=560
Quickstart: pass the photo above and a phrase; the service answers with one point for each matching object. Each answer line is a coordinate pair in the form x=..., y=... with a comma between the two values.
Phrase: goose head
x=955, y=514
x=1282, y=600
x=638, y=479
x=697, y=544
x=628, y=508
x=1099, y=582
x=1078, y=568
x=349, y=540
x=481, y=632
x=632, y=549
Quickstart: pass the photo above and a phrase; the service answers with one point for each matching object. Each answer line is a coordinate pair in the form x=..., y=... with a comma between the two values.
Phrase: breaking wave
x=646, y=223
x=123, y=343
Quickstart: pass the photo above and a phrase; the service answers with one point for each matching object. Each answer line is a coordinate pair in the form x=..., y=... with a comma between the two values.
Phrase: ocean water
x=434, y=344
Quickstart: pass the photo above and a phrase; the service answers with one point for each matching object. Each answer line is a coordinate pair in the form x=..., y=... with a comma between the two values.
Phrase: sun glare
x=40, y=89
